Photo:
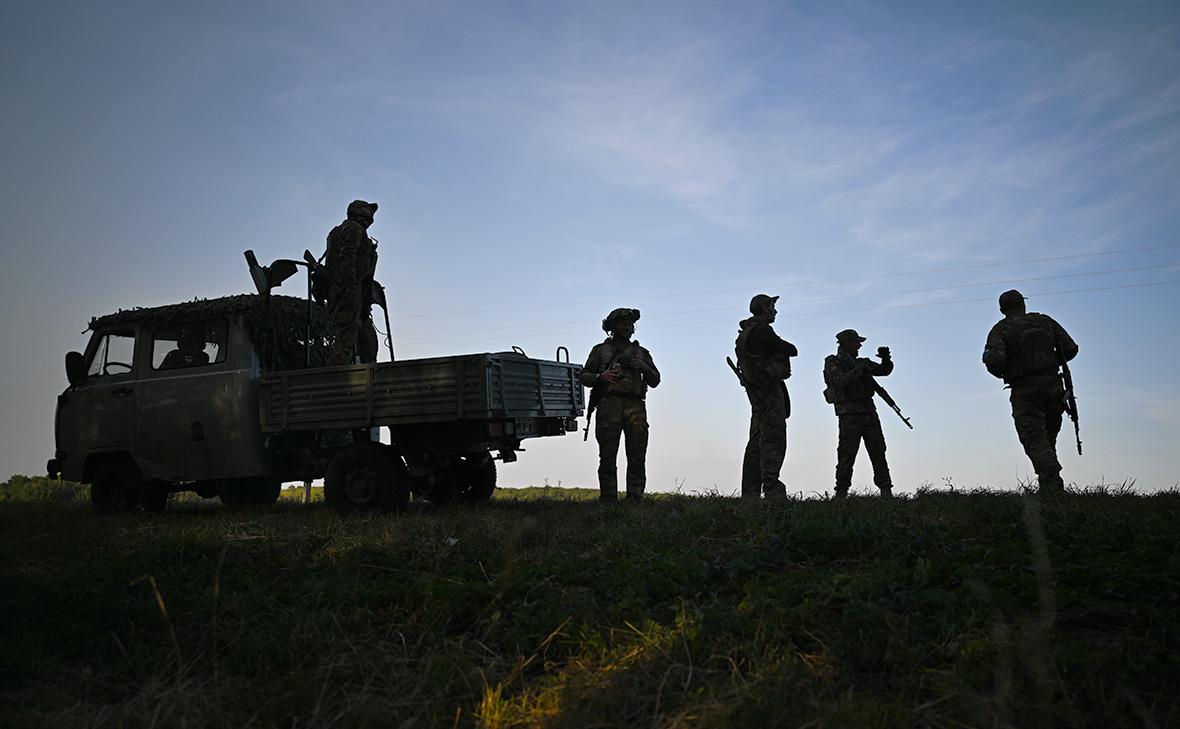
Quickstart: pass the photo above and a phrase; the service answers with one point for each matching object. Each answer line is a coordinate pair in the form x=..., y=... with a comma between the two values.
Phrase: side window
x=191, y=344
x=114, y=355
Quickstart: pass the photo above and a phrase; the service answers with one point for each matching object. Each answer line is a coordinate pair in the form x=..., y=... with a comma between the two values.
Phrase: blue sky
x=889, y=167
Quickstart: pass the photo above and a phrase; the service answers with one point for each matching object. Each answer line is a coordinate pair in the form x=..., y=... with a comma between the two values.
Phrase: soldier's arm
x=651, y=375
x=592, y=368
x=883, y=368
x=1065, y=343
x=771, y=343
x=348, y=248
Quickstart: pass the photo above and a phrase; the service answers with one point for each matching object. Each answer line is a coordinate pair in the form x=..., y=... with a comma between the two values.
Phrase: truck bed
x=488, y=386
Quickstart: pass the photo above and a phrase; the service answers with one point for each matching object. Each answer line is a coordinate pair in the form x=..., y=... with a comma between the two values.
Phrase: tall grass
x=544, y=609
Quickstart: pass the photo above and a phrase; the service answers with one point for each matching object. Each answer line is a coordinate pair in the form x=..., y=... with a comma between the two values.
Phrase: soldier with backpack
x=763, y=365
x=850, y=388
x=351, y=263
x=1025, y=349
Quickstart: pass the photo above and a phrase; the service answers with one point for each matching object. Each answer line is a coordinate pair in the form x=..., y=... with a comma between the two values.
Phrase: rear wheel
x=117, y=486
x=366, y=477
x=471, y=478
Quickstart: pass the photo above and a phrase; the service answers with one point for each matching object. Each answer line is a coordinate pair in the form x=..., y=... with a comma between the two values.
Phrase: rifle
x=891, y=403
x=736, y=371
x=1071, y=402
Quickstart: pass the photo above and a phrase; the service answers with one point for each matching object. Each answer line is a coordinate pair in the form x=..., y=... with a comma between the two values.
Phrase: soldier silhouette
x=620, y=371
x=1025, y=350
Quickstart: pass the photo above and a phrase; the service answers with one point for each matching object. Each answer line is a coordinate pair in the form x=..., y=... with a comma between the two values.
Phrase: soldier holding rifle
x=1026, y=349
x=850, y=388
x=620, y=371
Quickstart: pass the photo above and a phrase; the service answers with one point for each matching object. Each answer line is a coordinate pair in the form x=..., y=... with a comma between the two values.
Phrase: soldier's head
x=621, y=322
x=362, y=212
x=763, y=305
x=192, y=339
x=849, y=341
x=1011, y=302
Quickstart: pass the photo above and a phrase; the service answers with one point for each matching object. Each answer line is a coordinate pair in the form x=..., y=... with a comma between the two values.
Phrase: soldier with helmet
x=1025, y=349
x=351, y=263
x=620, y=372
x=764, y=365
x=850, y=388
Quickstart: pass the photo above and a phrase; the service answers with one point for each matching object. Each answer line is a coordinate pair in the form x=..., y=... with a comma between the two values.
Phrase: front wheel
x=117, y=486
x=366, y=477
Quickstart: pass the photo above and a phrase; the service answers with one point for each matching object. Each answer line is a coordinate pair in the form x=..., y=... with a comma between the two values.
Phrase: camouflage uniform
x=763, y=358
x=622, y=409
x=351, y=262
x=1024, y=349
x=850, y=390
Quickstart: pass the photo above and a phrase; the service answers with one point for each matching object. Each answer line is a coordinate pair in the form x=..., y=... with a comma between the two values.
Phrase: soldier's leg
x=345, y=323
x=875, y=445
x=1054, y=411
x=772, y=448
x=1029, y=416
x=608, y=427
x=366, y=340
x=847, y=445
x=635, y=429
x=752, y=461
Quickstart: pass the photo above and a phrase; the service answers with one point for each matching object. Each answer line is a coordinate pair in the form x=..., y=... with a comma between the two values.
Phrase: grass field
x=544, y=608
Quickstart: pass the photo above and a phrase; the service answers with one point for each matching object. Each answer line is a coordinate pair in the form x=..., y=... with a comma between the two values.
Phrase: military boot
x=1050, y=484
x=886, y=492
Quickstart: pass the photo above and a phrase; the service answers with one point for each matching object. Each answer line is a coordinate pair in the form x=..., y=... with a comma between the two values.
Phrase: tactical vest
x=760, y=370
x=1032, y=349
x=858, y=391
x=630, y=382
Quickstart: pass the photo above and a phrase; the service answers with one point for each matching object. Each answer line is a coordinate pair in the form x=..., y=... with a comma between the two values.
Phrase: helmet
x=849, y=335
x=1011, y=300
x=761, y=302
x=631, y=314
x=362, y=209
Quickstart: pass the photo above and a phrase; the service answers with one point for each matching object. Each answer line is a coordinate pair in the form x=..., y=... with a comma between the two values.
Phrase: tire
x=471, y=479
x=250, y=492
x=366, y=477
x=117, y=486
x=153, y=496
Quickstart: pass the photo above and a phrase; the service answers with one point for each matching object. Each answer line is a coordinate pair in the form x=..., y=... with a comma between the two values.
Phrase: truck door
x=104, y=404
x=184, y=397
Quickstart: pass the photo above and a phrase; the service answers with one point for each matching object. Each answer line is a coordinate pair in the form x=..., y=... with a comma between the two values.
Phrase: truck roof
x=290, y=308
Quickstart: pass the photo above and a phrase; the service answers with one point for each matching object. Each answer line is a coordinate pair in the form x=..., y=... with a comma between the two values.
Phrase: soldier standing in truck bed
x=351, y=262
x=620, y=372
x=1025, y=349
x=850, y=388
x=764, y=360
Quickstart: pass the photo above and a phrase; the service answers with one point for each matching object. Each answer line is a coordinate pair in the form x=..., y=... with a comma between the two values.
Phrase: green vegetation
x=540, y=609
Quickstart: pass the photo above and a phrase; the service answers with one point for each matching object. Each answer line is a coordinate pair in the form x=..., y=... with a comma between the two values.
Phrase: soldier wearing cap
x=1025, y=349
x=764, y=361
x=850, y=388
x=351, y=262
x=620, y=371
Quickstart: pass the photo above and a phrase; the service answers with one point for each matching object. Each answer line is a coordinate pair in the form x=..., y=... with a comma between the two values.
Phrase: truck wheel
x=250, y=492
x=470, y=479
x=154, y=496
x=117, y=486
x=365, y=477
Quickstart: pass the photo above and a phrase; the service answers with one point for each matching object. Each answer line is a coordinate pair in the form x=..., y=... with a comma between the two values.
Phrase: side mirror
x=75, y=367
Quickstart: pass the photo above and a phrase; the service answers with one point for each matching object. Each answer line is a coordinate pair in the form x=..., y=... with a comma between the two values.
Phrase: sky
x=890, y=167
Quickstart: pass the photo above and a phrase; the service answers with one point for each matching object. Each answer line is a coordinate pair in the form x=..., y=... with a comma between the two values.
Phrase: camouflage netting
x=283, y=331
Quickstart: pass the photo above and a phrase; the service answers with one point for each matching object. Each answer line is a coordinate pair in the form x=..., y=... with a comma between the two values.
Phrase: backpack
x=1033, y=349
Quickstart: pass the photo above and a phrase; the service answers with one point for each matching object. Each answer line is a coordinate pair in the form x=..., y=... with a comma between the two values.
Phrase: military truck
x=228, y=397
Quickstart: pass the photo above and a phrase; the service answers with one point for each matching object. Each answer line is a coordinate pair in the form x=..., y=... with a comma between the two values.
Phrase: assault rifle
x=1071, y=402
x=736, y=371
x=891, y=403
